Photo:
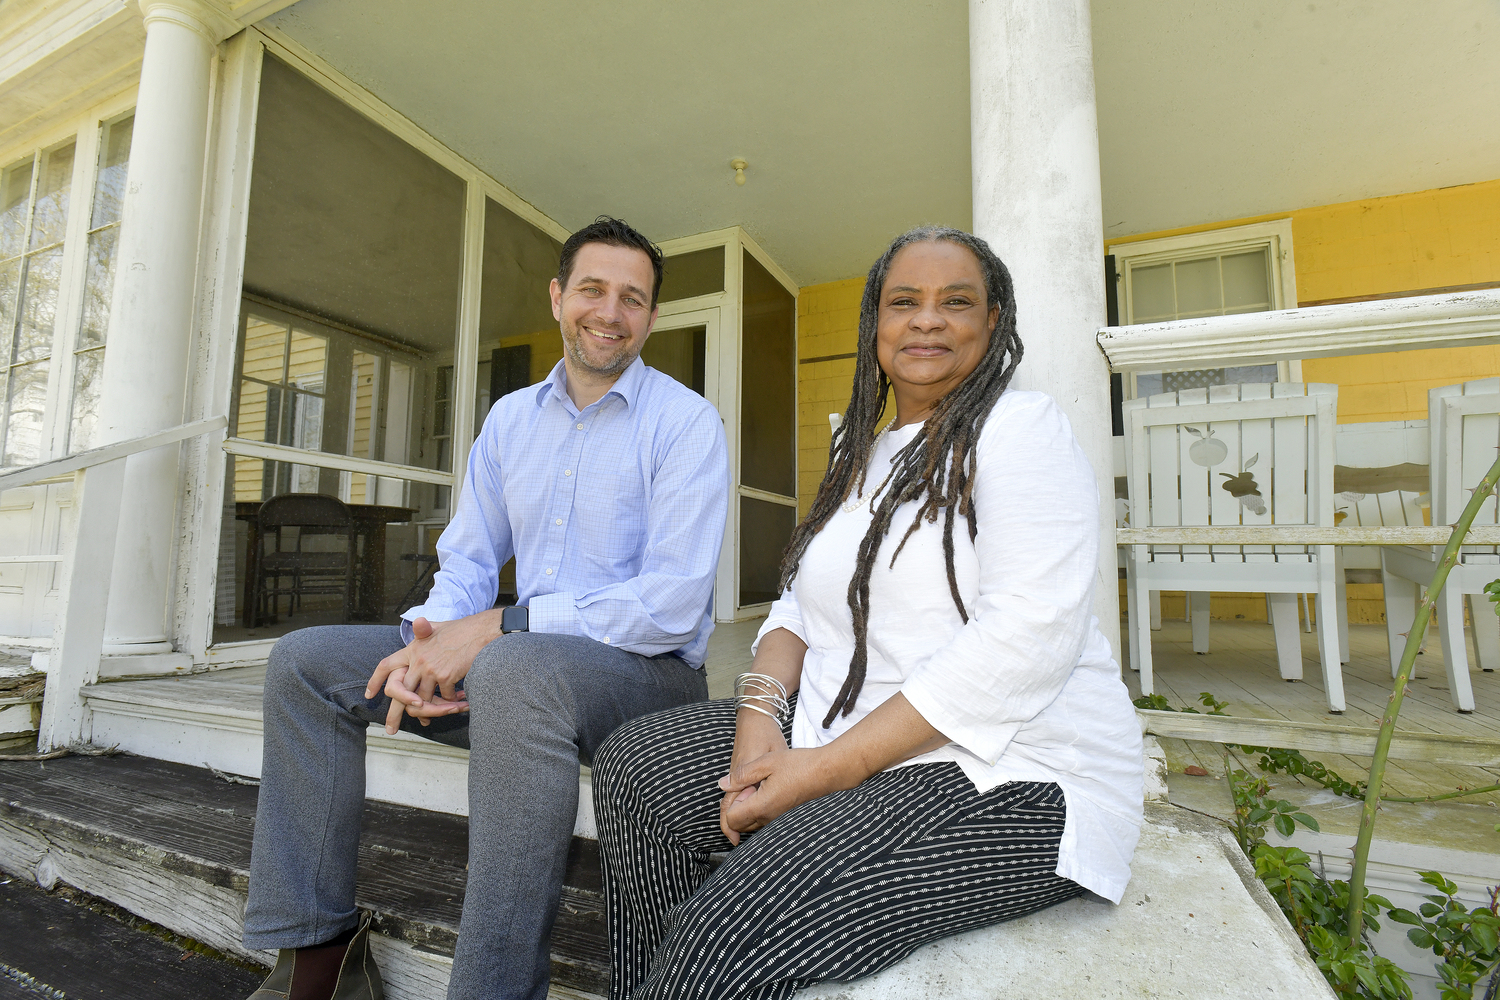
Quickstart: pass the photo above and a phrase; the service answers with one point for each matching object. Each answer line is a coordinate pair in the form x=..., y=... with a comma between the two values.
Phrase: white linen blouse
x=1028, y=690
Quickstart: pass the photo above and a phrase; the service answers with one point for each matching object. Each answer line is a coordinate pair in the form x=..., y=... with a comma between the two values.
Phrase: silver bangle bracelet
x=770, y=693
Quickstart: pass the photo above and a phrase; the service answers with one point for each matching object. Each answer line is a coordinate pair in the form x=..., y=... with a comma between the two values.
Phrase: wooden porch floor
x=1240, y=668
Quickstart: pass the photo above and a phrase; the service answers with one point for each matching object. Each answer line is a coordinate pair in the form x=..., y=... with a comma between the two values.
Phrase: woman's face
x=934, y=324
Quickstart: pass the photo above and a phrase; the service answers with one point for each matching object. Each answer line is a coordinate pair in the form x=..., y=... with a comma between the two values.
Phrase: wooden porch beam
x=1420, y=321
x=1320, y=737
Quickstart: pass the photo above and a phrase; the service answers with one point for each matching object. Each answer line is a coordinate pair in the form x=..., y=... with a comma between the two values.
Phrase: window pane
x=1151, y=294
x=10, y=281
x=518, y=339
x=39, y=305
x=88, y=371
x=49, y=220
x=307, y=422
x=764, y=530
x=309, y=360
x=265, y=349
x=768, y=459
x=698, y=273
x=114, y=158
x=354, y=242
x=15, y=197
x=98, y=286
x=1198, y=288
x=1247, y=282
x=362, y=405
x=251, y=419
x=680, y=354
x=259, y=598
x=28, y=398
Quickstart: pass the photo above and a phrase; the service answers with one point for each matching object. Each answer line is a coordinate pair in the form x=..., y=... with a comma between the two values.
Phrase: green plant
x=1159, y=703
x=1398, y=691
x=1253, y=809
x=1467, y=942
x=1284, y=761
x=1314, y=906
x=1492, y=590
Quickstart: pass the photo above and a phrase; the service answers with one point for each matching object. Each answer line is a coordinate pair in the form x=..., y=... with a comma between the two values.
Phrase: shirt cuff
x=555, y=613
x=987, y=741
x=431, y=612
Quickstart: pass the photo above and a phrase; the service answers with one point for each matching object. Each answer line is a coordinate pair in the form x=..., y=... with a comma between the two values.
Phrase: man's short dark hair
x=615, y=233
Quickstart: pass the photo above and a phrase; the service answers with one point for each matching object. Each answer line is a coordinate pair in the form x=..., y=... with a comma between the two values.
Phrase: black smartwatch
x=515, y=619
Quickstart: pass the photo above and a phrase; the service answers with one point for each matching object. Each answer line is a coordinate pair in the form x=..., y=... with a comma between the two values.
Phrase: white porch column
x=1036, y=200
x=146, y=363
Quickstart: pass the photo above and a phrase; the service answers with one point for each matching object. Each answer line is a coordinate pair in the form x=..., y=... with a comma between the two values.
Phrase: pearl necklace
x=851, y=505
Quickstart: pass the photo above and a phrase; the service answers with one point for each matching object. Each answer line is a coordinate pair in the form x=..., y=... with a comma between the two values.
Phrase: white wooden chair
x=1464, y=424
x=1236, y=454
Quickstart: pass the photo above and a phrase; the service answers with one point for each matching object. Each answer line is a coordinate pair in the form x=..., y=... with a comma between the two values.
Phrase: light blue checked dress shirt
x=614, y=514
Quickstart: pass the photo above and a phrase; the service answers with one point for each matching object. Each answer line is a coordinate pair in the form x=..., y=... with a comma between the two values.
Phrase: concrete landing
x=1195, y=922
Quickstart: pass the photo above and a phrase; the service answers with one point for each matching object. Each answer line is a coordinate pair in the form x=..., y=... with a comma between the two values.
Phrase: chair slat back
x=305, y=510
x=1234, y=454
x=1464, y=424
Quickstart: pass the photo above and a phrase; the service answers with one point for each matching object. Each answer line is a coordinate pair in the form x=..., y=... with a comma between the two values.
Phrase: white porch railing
x=78, y=640
x=1452, y=320
x=1423, y=321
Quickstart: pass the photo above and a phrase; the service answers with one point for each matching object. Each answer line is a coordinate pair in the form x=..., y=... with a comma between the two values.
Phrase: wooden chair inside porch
x=1463, y=424
x=1248, y=454
x=293, y=563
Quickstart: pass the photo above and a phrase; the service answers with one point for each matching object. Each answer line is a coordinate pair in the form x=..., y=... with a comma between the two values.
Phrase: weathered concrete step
x=171, y=844
x=51, y=946
x=1195, y=923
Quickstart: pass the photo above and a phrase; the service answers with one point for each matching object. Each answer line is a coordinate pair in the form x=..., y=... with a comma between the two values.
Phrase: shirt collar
x=627, y=386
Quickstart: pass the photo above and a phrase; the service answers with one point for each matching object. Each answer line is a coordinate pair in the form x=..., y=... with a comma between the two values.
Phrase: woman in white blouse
x=935, y=736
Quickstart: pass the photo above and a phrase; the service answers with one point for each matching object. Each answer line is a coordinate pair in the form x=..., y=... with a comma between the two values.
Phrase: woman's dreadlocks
x=937, y=466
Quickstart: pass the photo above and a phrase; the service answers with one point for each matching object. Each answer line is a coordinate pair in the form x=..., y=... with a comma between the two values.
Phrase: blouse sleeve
x=1037, y=546
x=785, y=614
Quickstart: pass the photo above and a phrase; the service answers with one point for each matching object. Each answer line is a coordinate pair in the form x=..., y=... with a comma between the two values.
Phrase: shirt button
x=580, y=427
x=567, y=472
x=559, y=520
x=606, y=638
x=549, y=572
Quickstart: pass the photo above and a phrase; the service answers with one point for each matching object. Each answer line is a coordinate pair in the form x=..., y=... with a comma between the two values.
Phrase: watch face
x=514, y=620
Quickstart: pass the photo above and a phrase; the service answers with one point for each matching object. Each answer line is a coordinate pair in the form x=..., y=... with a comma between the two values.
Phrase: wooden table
x=369, y=560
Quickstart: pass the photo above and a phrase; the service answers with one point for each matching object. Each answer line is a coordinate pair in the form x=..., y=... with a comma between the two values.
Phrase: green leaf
x=1419, y=937
x=1284, y=825
x=1306, y=821
x=1405, y=917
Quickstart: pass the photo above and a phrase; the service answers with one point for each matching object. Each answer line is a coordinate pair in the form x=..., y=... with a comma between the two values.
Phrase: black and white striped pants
x=837, y=888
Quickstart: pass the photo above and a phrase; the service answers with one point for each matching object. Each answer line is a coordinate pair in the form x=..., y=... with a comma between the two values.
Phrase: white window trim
x=1276, y=235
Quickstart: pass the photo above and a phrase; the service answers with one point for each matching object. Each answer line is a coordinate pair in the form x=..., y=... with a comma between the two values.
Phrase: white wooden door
x=33, y=521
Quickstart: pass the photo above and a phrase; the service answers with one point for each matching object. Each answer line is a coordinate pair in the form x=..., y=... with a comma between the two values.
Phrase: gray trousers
x=537, y=702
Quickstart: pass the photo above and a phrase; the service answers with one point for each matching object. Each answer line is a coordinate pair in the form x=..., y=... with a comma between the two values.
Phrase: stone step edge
x=404, y=769
x=205, y=900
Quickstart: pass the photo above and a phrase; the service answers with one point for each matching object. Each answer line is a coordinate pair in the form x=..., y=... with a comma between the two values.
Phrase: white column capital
x=209, y=19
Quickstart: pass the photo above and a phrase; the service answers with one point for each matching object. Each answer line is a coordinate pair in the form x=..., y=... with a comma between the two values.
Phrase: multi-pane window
x=98, y=279
x=33, y=226
x=55, y=292
x=281, y=402
x=1207, y=274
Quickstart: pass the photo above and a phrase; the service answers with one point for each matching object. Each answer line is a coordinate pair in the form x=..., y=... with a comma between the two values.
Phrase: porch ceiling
x=854, y=116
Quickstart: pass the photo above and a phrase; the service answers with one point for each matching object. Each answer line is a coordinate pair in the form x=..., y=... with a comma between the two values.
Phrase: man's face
x=605, y=311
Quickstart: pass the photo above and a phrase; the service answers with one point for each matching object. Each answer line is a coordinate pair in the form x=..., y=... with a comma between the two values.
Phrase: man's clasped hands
x=766, y=778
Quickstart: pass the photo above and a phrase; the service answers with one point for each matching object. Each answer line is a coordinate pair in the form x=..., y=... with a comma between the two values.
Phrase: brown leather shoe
x=358, y=979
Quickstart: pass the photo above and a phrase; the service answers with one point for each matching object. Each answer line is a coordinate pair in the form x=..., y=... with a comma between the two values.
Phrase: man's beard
x=617, y=363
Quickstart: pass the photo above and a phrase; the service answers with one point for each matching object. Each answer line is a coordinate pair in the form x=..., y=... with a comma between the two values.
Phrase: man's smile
x=603, y=334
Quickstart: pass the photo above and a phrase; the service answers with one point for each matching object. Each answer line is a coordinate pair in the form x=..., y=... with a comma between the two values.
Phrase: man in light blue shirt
x=608, y=483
